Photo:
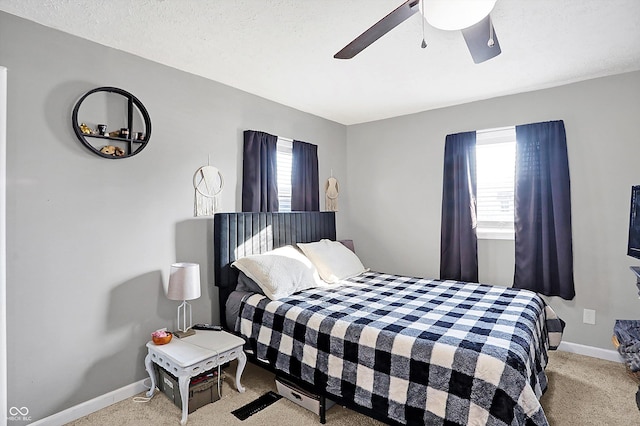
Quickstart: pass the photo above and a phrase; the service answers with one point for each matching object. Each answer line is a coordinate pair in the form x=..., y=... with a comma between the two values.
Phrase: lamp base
x=180, y=334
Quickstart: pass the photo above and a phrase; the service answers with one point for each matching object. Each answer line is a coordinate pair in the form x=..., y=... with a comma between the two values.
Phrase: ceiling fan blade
x=380, y=28
x=477, y=37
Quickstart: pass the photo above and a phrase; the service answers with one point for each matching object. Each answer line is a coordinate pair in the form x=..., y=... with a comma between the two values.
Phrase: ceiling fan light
x=455, y=14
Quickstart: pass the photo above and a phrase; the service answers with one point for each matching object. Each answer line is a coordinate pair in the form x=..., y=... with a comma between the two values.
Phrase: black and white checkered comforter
x=414, y=351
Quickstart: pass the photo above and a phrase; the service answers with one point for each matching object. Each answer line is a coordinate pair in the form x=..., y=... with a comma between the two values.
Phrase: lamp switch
x=589, y=316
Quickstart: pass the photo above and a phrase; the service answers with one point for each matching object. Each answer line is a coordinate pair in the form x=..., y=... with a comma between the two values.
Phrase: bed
x=403, y=350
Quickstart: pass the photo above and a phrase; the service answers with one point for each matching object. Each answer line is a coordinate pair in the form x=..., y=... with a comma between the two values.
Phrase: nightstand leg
x=183, y=382
x=242, y=361
x=219, y=394
x=152, y=375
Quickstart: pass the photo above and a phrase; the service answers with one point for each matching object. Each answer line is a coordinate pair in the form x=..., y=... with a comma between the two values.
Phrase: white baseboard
x=576, y=348
x=100, y=402
x=93, y=405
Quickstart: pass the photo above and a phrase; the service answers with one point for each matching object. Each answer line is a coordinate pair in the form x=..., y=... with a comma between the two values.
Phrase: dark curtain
x=458, y=241
x=305, y=184
x=259, y=177
x=544, y=254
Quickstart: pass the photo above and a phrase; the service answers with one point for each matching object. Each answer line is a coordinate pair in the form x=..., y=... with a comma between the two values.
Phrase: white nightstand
x=193, y=355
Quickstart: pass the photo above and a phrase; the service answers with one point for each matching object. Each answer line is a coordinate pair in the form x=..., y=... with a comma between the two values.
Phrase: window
x=284, y=160
x=495, y=174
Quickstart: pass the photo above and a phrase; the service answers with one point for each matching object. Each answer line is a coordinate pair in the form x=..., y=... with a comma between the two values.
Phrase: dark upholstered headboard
x=236, y=235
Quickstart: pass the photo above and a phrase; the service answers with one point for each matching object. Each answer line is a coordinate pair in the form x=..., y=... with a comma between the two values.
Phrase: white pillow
x=333, y=260
x=280, y=272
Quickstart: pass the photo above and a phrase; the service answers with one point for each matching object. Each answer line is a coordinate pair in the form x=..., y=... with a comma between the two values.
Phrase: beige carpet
x=582, y=391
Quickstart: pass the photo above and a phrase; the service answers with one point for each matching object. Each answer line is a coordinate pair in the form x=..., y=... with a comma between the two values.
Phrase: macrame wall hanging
x=331, y=191
x=208, y=184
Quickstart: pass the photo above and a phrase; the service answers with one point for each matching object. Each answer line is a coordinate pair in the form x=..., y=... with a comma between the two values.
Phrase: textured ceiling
x=283, y=49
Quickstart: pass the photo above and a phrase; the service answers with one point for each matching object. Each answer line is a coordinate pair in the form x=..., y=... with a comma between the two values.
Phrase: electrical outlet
x=589, y=316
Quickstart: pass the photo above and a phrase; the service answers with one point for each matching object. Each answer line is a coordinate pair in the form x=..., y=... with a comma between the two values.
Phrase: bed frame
x=236, y=235
x=240, y=234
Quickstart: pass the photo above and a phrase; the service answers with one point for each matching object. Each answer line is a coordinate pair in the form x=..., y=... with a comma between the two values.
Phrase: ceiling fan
x=472, y=17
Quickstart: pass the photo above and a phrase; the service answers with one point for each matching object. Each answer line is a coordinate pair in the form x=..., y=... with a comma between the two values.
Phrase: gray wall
x=90, y=240
x=3, y=240
x=602, y=123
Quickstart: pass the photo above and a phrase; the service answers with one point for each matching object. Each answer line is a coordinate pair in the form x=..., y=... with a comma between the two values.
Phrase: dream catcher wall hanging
x=208, y=183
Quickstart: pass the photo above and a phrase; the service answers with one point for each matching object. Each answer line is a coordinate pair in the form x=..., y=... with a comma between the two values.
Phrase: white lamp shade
x=456, y=14
x=184, y=281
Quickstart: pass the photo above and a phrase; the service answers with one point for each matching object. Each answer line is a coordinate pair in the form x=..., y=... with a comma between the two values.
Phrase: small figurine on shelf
x=85, y=129
x=114, y=134
x=108, y=149
x=112, y=150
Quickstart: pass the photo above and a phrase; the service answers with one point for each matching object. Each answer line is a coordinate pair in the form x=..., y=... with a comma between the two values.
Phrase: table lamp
x=184, y=284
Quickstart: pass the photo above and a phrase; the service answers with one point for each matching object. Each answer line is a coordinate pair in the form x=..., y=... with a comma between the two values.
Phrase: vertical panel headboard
x=236, y=235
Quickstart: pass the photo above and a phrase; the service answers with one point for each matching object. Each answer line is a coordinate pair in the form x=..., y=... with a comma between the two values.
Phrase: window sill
x=495, y=234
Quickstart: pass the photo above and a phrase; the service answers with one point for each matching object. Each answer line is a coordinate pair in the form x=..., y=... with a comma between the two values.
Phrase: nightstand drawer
x=228, y=355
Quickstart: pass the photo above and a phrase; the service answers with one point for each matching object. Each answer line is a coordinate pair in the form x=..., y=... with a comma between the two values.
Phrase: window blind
x=495, y=172
x=284, y=163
